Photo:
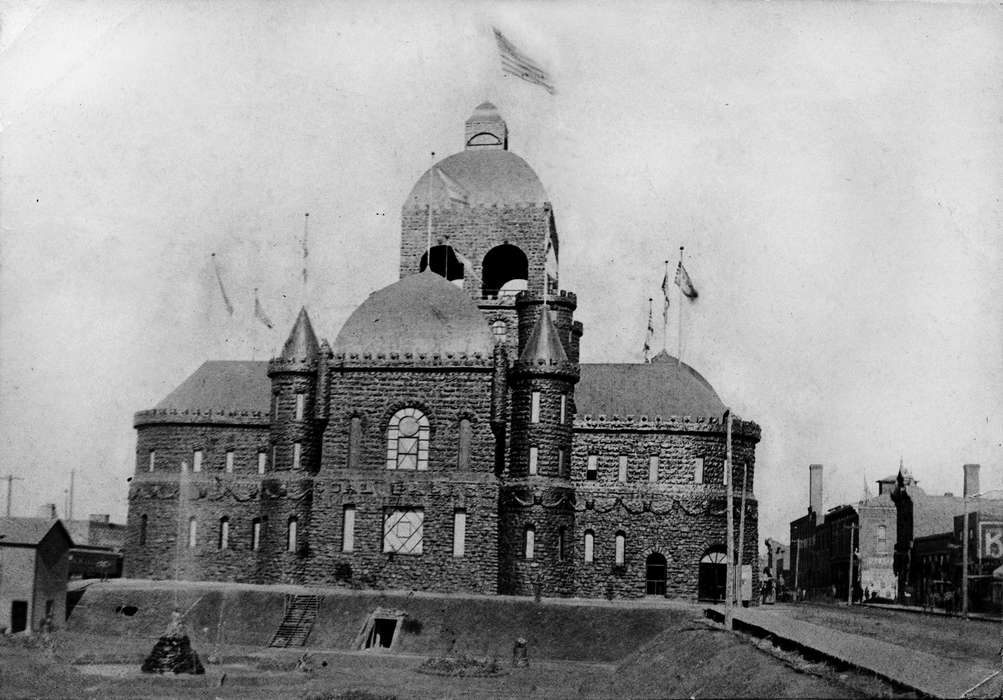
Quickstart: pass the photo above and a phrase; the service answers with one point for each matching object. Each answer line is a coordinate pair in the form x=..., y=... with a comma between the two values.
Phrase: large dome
x=420, y=314
x=486, y=176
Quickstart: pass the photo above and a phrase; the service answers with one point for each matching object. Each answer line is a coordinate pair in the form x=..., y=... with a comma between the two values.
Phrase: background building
x=449, y=439
x=34, y=568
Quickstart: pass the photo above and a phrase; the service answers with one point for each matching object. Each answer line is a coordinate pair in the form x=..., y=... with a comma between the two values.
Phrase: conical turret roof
x=544, y=344
x=302, y=342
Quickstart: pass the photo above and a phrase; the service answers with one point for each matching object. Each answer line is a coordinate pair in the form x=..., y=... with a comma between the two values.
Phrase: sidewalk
x=925, y=673
x=981, y=617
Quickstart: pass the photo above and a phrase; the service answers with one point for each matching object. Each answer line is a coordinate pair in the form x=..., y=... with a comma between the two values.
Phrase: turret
x=294, y=375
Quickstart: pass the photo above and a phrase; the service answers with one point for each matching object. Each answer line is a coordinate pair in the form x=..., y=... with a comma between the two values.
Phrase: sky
x=833, y=170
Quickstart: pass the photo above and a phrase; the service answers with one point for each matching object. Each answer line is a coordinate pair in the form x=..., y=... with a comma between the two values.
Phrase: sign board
x=990, y=540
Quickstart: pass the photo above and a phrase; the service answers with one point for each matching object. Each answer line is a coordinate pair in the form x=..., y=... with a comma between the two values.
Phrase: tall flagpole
x=428, y=233
x=665, y=310
x=679, y=354
x=306, y=233
x=730, y=570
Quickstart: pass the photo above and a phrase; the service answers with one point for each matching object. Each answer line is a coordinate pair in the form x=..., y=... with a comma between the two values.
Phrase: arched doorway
x=505, y=267
x=444, y=263
x=655, y=574
x=712, y=578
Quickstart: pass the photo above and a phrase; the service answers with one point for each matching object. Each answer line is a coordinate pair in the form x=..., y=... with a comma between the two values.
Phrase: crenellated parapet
x=408, y=360
x=659, y=424
x=200, y=416
x=546, y=368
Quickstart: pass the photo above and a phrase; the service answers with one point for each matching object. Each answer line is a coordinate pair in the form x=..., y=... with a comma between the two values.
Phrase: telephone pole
x=730, y=570
x=849, y=586
x=10, y=486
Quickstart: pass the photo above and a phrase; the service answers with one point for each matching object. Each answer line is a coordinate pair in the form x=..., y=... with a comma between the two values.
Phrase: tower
x=537, y=517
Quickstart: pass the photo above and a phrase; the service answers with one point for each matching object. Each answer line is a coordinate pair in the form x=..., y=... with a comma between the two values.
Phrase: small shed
x=34, y=569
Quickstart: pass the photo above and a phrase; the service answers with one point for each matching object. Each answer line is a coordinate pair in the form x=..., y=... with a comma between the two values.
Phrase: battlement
x=561, y=297
x=407, y=360
x=701, y=424
x=412, y=208
x=546, y=368
x=300, y=365
x=201, y=416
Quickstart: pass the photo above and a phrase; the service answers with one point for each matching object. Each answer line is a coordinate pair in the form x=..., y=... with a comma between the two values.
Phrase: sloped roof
x=932, y=515
x=544, y=343
x=487, y=176
x=223, y=384
x=28, y=531
x=650, y=389
x=302, y=342
x=420, y=314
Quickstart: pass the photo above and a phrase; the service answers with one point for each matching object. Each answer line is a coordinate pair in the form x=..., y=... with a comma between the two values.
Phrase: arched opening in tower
x=505, y=269
x=444, y=262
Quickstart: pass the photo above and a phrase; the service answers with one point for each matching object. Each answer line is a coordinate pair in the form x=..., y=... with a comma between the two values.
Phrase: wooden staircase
x=297, y=622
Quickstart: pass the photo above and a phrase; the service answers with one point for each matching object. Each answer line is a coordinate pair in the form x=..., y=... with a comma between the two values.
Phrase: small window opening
x=262, y=462
x=197, y=461
x=229, y=462
x=300, y=405
x=698, y=470
x=533, y=457
x=534, y=413
x=592, y=470
x=590, y=539
x=622, y=473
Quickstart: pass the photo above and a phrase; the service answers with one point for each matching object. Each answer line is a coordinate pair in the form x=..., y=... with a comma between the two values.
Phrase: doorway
x=655, y=569
x=382, y=633
x=712, y=576
x=18, y=616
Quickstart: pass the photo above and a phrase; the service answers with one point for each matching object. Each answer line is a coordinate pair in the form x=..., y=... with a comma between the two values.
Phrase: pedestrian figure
x=520, y=653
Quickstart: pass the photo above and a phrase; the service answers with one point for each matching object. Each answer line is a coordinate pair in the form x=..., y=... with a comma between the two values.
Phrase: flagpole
x=730, y=570
x=428, y=233
x=306, y=233
x=679, y=354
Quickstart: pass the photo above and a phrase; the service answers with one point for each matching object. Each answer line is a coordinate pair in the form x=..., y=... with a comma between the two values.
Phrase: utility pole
x=730, y=569
x=964, y=558
x=741, y=534
x=10, y=487
x=797, y=567
x=69, y=510
x=849, y=586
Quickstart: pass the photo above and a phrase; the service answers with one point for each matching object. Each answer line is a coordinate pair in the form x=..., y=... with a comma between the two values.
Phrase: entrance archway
x=713, y=573
x=655, y=574
x=502, y=265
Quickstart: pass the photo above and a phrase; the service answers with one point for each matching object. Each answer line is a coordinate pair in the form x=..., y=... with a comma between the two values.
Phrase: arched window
x=882, y=539
x=500, y=331
x=224, y=532
x=621, y=546
x=192, y=531
x=530, y=541
x=291, y=534
x=505, y=269
x=142, y=529
x=256, y=534
x=445, y=263
x=590, y=538
x=463, y=449
x=407, y=440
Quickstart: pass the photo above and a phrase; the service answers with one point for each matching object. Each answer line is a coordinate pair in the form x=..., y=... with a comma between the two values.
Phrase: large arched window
x=505, y=268
x=407, y=440
x=445, y=263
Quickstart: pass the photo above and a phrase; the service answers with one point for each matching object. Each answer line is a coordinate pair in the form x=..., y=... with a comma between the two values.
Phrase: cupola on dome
x=420, y=314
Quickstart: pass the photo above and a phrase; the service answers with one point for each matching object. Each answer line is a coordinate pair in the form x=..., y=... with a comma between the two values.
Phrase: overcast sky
x=833, y=169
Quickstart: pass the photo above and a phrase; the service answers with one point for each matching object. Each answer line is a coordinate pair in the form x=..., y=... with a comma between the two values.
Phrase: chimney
x=99, y=517
x=47, y=511
x=815, y=488
x=971, y=479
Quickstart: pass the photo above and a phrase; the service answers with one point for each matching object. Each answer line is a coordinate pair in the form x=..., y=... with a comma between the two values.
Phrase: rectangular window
x=622, y=475
x=229, y=462
x=459, y=532
x=297, y=454
x=621, y=542
x=348, y=529
x=354, y=442
x=560, y=462
x=589, y=546
x=262, y=462
x=564, y=408
x=402, y=531
x=256, y=534
x=300, y=405
x=653, y=468
x=153, y=459
x=224, y=533
x=698, y=470
x=463, y=449
x=533, y=455
x=534, y=413
x=592, y=470
x=291, y=534
x=192, y=532
x=530, y=542
x=197, y=461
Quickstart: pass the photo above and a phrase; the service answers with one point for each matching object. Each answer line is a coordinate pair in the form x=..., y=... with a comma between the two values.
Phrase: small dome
x=485, y=111
x=420, y=314
x=486, y=176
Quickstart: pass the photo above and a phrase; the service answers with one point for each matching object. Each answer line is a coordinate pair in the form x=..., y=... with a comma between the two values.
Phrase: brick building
x=449, y=439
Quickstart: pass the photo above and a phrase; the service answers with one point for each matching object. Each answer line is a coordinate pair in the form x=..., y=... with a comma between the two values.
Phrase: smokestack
x=815, y=488
x=971, y=479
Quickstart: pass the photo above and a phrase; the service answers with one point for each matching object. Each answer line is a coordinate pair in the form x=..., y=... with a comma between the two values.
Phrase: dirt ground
x=689, y=659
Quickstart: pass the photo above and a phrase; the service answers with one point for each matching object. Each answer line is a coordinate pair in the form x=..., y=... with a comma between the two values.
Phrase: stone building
x=449, y=439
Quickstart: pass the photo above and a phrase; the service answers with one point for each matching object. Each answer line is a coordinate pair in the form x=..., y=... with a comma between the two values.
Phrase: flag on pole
x=649, y=335
x=684, y=282
x=222, y=289
x=516, y=63
x=454, y=190
x=259, y=313
x=665, y=295
x=306, y=251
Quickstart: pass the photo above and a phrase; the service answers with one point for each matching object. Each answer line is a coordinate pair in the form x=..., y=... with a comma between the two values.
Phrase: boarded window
x=653, y=468
x=622, y=473
x=262, y=462
x=530, y=542
x=256, y=534
x=534, y=413
x=291, y=534
x=402, y=531
x=621, y=546
x=533, y=457
x=224, y=533
x=463, y=451
x=407, y=440
x=197, y=461
x=354, y=442
x=229, y=461
x=590, y=539
x=300, y=406
x=153, y=460
x=698, y=470
x=459, y=532
x=192, y=532
x=592, y=469
x=348, y=529
x=297, y=454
